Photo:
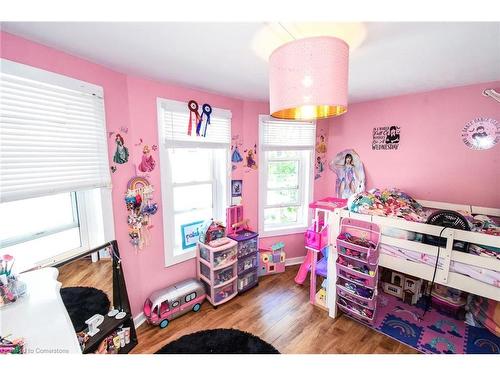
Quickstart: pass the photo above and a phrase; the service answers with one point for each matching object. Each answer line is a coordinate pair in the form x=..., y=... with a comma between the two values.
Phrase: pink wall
x=131, y=103
x=432, y=162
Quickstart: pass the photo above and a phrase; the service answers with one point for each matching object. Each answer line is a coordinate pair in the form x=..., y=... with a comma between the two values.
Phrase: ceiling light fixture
x=308, y=78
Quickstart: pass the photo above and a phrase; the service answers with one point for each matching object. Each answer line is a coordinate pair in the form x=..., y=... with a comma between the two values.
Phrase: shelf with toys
x=357, y=269
x=217, y=263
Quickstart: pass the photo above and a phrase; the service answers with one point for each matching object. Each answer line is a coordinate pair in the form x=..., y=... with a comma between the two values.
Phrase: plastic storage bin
x=217, y=269
x=246, y=281
x=248, y=258
x=249, y=262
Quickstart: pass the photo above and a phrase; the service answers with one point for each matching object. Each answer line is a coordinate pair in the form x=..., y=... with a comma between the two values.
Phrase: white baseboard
x=294, y=261
x=139, y=320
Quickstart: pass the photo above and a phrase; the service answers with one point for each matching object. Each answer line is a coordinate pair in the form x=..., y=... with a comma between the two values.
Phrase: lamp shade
x=308, y=79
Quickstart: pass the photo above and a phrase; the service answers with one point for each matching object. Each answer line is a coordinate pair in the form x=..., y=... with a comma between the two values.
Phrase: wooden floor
x=278, y=312
x=84, y=272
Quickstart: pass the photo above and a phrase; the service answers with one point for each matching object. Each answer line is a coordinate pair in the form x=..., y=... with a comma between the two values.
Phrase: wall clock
x=481, y=133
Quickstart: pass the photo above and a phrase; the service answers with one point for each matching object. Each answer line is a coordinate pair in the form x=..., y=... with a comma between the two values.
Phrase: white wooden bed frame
x=443, y=275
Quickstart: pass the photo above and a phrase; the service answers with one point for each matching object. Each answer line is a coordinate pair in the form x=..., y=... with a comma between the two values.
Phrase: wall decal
x=147, y=162
x=121, y=153
x=386, y=137
x=140, y=207
x=350, y=173
x=113, y=168
x=481, y=133
x=250, y=158
x=321, y=149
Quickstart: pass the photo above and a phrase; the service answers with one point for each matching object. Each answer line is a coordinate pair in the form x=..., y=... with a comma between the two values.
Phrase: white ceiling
x=395, y=58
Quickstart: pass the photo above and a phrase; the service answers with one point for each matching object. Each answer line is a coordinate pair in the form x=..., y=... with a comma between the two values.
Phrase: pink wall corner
x=432, y=162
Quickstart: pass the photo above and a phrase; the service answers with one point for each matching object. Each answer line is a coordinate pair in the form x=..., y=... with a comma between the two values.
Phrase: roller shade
x=52, y=134
x=175, y=118
x=287, y=134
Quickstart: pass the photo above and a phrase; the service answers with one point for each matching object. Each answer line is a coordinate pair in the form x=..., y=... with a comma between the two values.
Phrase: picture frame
x=236, y=188
x=190, y=233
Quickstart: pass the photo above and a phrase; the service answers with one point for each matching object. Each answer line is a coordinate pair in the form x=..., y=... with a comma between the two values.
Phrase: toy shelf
x=217, y=270
x=357, y=269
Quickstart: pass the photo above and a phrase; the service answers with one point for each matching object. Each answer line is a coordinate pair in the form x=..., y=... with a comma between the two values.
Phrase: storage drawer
x=365, y=302
x=204, y=270
x=247, y=280
x=223, y=275
x=224, y=257
x=356, y=289
x=356, y=311
x=223, y=292
x=247, y=263
x=247, y=247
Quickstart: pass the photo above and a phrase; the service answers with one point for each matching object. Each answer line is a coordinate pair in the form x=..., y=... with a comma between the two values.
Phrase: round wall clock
x=481, y=133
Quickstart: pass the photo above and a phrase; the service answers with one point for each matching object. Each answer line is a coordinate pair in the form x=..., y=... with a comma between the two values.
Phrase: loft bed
x=445, y=274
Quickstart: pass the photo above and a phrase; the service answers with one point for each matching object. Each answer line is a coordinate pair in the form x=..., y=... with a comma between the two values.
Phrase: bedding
x=487, y=276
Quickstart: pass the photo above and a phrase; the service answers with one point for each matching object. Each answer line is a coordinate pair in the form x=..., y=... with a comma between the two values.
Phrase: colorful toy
x=272, y=260
x=140, y=206
x=173, y=301
x=212, y=230
x=400, y=285
x=15, y=346
x=234, y=220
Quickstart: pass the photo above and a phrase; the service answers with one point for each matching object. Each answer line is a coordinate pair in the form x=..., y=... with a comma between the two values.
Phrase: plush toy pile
x=388, y=202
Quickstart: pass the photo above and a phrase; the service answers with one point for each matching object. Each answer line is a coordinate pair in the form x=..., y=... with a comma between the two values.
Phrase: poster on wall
x=481, y=133
x=236, y=191
x=190, y=233
x=321, y=149
x=350, y=174
x=386, y=137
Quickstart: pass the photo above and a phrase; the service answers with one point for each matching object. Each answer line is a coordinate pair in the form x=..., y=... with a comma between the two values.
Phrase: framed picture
x=236, y=188
x=190, y=234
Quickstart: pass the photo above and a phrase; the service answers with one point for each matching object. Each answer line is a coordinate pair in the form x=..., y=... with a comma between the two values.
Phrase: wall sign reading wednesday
x=386, y=137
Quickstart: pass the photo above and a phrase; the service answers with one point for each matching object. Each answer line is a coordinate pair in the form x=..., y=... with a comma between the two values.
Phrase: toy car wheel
x=196, y=307
x=164, y=323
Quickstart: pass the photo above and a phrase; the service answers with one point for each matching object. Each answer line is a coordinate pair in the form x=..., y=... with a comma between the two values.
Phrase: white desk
x=40, y=316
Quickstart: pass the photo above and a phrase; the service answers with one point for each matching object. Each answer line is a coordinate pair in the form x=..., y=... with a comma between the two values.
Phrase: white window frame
x=305, y=192
x=167, y=186
x=94, y=206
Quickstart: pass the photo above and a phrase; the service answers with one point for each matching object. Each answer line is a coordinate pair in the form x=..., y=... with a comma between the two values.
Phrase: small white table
x=40, y=316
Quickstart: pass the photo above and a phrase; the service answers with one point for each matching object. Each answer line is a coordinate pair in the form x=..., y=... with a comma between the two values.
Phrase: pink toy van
x=173, y=301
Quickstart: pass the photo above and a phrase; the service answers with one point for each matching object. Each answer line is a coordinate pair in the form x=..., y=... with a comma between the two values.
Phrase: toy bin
x=353, y=288
x=354, y=310
x=365, y=302
x=247, y=242
x=359, y=237
x=217, y=269
x=357, y=272
x=316, y=239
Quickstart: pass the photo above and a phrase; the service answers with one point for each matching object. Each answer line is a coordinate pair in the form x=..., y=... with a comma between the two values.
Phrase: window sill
x=176, y=259
x=283, y=231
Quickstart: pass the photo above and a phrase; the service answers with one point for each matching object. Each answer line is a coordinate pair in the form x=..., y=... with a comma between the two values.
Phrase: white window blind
x=277, y=134
x=52, y=134
x=175, y=116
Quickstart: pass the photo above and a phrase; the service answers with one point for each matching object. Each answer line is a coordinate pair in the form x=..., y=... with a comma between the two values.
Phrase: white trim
x=294, y=261
x=139, y=320
x=167, y=183
x=282, y=231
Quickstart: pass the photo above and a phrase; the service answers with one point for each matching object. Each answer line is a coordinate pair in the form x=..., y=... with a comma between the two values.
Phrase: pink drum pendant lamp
x=308, y=79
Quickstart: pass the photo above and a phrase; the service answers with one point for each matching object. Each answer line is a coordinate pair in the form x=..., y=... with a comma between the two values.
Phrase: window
x=194, y=177
x=285, y=175
x=190, y=297
x=53, y=166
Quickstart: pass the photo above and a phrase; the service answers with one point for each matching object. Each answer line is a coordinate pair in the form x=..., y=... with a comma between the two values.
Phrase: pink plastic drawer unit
x=316, y=240
x=224, y=293
x=247, y=280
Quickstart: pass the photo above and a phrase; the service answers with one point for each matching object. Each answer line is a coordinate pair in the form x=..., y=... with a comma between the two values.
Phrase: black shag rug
x=219, y=341
x=84, y=302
